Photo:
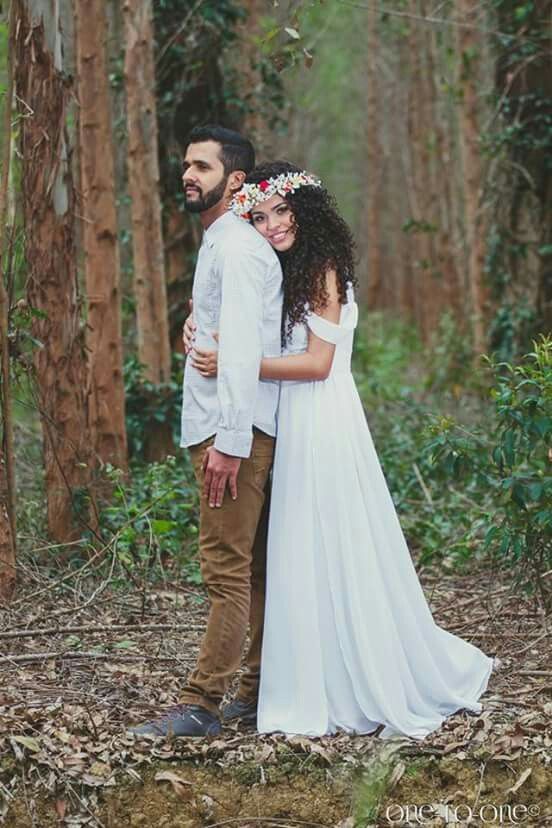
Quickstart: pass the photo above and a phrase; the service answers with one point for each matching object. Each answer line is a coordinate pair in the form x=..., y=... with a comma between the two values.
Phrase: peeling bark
x=473, y=173
x=7, y=545
x=7, y=454
x=143, y=176
x=52, y=291
x=99, y=234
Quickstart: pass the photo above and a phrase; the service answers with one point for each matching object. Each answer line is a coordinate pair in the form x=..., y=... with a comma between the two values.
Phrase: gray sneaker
x=181, y=720
x=238, y=710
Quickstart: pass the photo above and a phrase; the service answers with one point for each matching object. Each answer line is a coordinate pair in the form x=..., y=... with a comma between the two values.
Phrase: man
x=229, y=426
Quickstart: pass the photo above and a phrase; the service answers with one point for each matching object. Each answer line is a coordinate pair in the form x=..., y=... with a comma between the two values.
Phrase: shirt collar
x=218, y=227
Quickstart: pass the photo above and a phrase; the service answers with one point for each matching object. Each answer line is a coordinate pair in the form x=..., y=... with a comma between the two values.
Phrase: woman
x=349, y=640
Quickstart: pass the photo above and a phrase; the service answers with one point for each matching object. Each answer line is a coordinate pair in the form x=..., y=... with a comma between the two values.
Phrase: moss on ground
x=290, y=793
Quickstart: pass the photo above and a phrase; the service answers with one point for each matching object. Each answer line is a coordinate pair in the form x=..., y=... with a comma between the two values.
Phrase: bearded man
x=229, y=427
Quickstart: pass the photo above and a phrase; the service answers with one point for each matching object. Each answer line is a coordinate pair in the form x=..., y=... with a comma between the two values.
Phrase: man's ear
x=235, y=180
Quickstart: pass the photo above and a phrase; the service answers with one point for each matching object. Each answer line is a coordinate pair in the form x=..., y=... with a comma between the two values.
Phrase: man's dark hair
x=236, y=152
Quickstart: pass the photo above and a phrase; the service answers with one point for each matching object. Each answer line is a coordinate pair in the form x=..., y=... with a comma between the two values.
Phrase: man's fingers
x=233, y=486
x=214, y=487
x=191, y=304
x=220, y=489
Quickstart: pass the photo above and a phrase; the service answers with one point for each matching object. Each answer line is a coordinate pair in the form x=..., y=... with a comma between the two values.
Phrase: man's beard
x=207, y=200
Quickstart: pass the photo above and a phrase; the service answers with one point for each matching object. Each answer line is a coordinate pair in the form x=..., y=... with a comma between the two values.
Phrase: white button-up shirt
x=238, y=292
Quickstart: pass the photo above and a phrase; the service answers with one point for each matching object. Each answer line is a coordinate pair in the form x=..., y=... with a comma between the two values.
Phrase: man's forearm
x=237, y=390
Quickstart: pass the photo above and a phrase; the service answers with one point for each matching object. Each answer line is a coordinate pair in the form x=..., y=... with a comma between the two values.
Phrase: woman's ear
x=235, y=180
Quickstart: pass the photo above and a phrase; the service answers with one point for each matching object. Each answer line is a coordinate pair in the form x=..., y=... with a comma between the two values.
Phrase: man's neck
x=213, y=213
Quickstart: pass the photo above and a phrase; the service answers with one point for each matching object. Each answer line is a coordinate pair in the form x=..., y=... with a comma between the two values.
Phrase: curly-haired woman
x=349, y=640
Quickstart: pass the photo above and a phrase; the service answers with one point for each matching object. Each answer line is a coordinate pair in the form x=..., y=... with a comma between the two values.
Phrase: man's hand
x=220, y=469
x=188, y=332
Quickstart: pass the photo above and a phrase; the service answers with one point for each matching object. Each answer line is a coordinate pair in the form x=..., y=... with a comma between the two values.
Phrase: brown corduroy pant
x=232, y=549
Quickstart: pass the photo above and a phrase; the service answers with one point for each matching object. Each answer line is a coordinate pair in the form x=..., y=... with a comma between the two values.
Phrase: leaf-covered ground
x=79, y=662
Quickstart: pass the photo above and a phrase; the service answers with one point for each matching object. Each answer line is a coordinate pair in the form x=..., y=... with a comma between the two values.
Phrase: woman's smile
x=278, y=236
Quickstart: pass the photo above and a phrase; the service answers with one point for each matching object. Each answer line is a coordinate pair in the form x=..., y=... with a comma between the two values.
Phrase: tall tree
x=99, y=235
x=451, y=296
x=524, y=184
x=7, y=470
x=7, y=543
x=143, y=177
x=419, y=174
x=469, y=48
x=52, y=290
x=374, y=163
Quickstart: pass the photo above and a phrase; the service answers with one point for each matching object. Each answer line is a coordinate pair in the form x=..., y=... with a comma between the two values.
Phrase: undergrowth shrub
x=509, y=459
x=152, y=521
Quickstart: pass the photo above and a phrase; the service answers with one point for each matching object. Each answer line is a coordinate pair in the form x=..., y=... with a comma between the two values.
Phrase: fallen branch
x=87, y=628
x=32, y=657
x=532, y=643
x=534, y=673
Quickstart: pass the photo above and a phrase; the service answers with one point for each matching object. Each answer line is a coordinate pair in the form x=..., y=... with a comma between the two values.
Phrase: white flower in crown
x=252, y=194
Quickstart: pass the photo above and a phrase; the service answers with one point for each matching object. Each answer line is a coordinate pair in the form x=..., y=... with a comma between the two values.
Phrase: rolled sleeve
x=240, y=348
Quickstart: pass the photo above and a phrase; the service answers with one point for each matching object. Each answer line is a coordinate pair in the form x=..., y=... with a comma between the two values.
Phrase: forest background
x=432, y=125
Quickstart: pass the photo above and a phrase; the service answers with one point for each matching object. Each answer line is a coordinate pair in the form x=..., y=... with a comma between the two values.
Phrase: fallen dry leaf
x=181, y=787
x=523, y=778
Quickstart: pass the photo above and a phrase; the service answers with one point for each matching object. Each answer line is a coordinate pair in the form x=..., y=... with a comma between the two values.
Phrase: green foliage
x=152, y=521
x=511, y=461
x=511, y=325
x=384, y=348
x=519, y=140
x=328, y=99
x=394, y=375
x=449, y=358
x=468, y=469
x=371, y=790
x=147, y=402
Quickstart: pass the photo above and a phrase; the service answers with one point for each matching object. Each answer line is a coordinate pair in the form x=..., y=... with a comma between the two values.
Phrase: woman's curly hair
x=323, y=241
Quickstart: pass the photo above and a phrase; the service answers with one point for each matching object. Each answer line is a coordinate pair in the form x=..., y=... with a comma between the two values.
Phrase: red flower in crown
x=264, y=185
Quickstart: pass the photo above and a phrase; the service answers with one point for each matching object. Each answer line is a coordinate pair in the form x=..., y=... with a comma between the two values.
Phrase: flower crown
x=252, y=194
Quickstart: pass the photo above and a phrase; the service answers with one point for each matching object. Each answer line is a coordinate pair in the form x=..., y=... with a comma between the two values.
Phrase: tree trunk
x=250, y=77
x=7, y=469
x=374, y=159
x=143, y=168
x=48, y=207
x=524, y=85
x=473, y=171
x=99, y=235
x=7, y=543
x=447, y=243
x=419, y=166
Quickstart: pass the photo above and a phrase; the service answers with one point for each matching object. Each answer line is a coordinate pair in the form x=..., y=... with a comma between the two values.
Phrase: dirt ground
x=79, y=664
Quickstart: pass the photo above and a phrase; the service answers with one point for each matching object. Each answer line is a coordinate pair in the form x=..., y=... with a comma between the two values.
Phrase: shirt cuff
x=232, y=442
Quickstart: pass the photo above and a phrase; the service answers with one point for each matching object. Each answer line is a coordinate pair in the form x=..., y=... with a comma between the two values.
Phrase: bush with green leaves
x=151, y=521
x=147, y=403
x=508, y=461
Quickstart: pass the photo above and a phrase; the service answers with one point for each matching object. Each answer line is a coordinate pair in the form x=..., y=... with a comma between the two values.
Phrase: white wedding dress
x=349, y=640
